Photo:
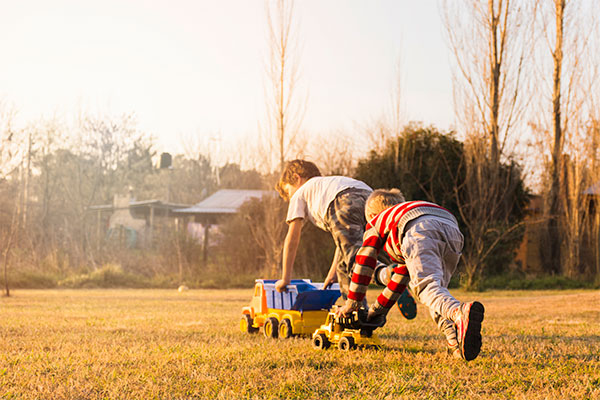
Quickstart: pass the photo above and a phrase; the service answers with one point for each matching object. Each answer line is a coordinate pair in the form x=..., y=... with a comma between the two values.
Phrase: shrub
x=31, y=280
x=430, y=165
x=518, y=281
x=109, y=276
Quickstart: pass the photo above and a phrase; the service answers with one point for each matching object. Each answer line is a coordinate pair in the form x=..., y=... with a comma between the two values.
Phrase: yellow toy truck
x=298, y=311
x=348, y=333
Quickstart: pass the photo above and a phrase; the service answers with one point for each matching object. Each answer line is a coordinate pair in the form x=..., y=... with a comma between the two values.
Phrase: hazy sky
x=197, y=67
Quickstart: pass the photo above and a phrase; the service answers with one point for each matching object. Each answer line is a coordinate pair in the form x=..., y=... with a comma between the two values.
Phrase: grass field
x=161, y=344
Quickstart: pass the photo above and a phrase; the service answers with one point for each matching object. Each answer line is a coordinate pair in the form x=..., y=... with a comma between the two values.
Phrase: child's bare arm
x=290, y=246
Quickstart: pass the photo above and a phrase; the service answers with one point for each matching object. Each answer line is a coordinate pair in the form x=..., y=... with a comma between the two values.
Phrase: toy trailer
x=347, y=333
x=298, y=311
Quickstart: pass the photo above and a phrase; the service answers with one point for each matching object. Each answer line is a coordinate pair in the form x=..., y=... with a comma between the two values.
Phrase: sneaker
x=406, y=305
x=468, y=329
x=454, y=351
x=382, y=274
x=449, y=329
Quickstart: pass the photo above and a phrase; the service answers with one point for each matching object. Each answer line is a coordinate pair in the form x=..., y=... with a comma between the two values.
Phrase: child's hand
x=329, y=281
x=281, y=285
x=370, y=314
x=346, y=309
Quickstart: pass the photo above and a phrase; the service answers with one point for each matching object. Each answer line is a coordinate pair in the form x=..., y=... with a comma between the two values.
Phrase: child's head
x=294, y=174
x=381, y=199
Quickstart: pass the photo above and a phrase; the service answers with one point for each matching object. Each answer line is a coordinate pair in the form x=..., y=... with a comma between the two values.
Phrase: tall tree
x=568, y=75
x=285, y=106
x=11, y=153
x=557, y=148
x=489, y=44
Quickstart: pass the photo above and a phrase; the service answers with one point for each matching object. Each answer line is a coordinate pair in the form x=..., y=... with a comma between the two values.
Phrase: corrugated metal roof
x=224, y=201
x=137, y=204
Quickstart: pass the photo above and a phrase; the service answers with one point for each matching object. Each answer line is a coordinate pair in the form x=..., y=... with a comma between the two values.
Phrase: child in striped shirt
x=424, y=239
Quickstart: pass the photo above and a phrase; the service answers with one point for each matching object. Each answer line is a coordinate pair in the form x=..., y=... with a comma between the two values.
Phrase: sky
x=197, y=67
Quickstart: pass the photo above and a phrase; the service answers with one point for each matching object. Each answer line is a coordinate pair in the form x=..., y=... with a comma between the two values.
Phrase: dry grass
x=91, y=344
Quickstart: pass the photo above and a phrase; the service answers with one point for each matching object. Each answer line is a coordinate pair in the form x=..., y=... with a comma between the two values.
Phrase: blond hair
x=381, y=199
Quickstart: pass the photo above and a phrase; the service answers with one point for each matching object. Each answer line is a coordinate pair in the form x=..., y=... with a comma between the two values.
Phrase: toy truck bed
x=299, y=311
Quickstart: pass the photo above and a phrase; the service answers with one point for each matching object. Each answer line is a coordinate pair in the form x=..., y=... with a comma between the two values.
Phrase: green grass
x=518, y=281
x=162, y=344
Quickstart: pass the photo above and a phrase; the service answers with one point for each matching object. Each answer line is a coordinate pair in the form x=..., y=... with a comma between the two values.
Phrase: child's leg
x=432, y=250
x=346, y=222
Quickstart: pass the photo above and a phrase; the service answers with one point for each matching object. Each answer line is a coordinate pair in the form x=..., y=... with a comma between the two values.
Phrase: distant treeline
x=50, y=237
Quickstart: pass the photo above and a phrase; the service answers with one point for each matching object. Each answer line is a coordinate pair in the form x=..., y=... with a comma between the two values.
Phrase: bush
x=518, y=281
x=109, y=276
x=31, y=280
x=426, y=164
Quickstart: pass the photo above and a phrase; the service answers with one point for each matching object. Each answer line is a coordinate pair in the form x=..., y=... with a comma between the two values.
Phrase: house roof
x=224, y=201
x=141, y=209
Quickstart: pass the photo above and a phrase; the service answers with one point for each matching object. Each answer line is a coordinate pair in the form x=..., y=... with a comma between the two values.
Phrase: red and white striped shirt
x=385, y=231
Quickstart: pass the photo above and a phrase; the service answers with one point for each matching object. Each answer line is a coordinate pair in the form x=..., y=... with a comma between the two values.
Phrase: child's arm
x=389, y=296
x=365, y=262
x=332, y=274
x=290, y=246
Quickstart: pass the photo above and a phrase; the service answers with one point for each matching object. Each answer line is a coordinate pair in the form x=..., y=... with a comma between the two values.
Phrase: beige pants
x=432, y=247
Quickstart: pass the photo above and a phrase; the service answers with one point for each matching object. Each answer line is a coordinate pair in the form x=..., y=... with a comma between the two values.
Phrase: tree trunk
x=495, y=62
x=554, y=261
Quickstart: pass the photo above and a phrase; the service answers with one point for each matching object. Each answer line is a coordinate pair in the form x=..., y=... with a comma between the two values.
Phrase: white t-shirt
x=312, y=199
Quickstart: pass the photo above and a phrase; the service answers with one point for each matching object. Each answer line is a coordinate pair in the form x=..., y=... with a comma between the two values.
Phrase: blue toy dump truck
x=298, y=311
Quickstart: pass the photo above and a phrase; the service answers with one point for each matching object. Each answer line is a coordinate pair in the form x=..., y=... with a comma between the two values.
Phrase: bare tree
x=333, y=153
x=390, y=124
x=281, y=134
x=11, y=152
x=285, y=106
x=489, y=43
x=554, y=260
x=567, y=30
x=268, y=229
x=396, y=115
x=593, y=193
x=594, y=154
x=11, y=148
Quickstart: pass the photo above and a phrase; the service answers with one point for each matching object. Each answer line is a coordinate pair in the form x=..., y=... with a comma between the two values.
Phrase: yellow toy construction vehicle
x=348, y=333
x=298, y=311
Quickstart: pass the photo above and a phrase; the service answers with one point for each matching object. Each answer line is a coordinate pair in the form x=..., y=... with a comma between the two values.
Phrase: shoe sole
x=407, y=305
x=472, y=340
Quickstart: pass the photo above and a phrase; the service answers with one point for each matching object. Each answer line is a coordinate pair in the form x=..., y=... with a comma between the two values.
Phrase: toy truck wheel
x=285, y=329
x=320, y=341
x=246, y=324
x=271, y=328
x=346, y=343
